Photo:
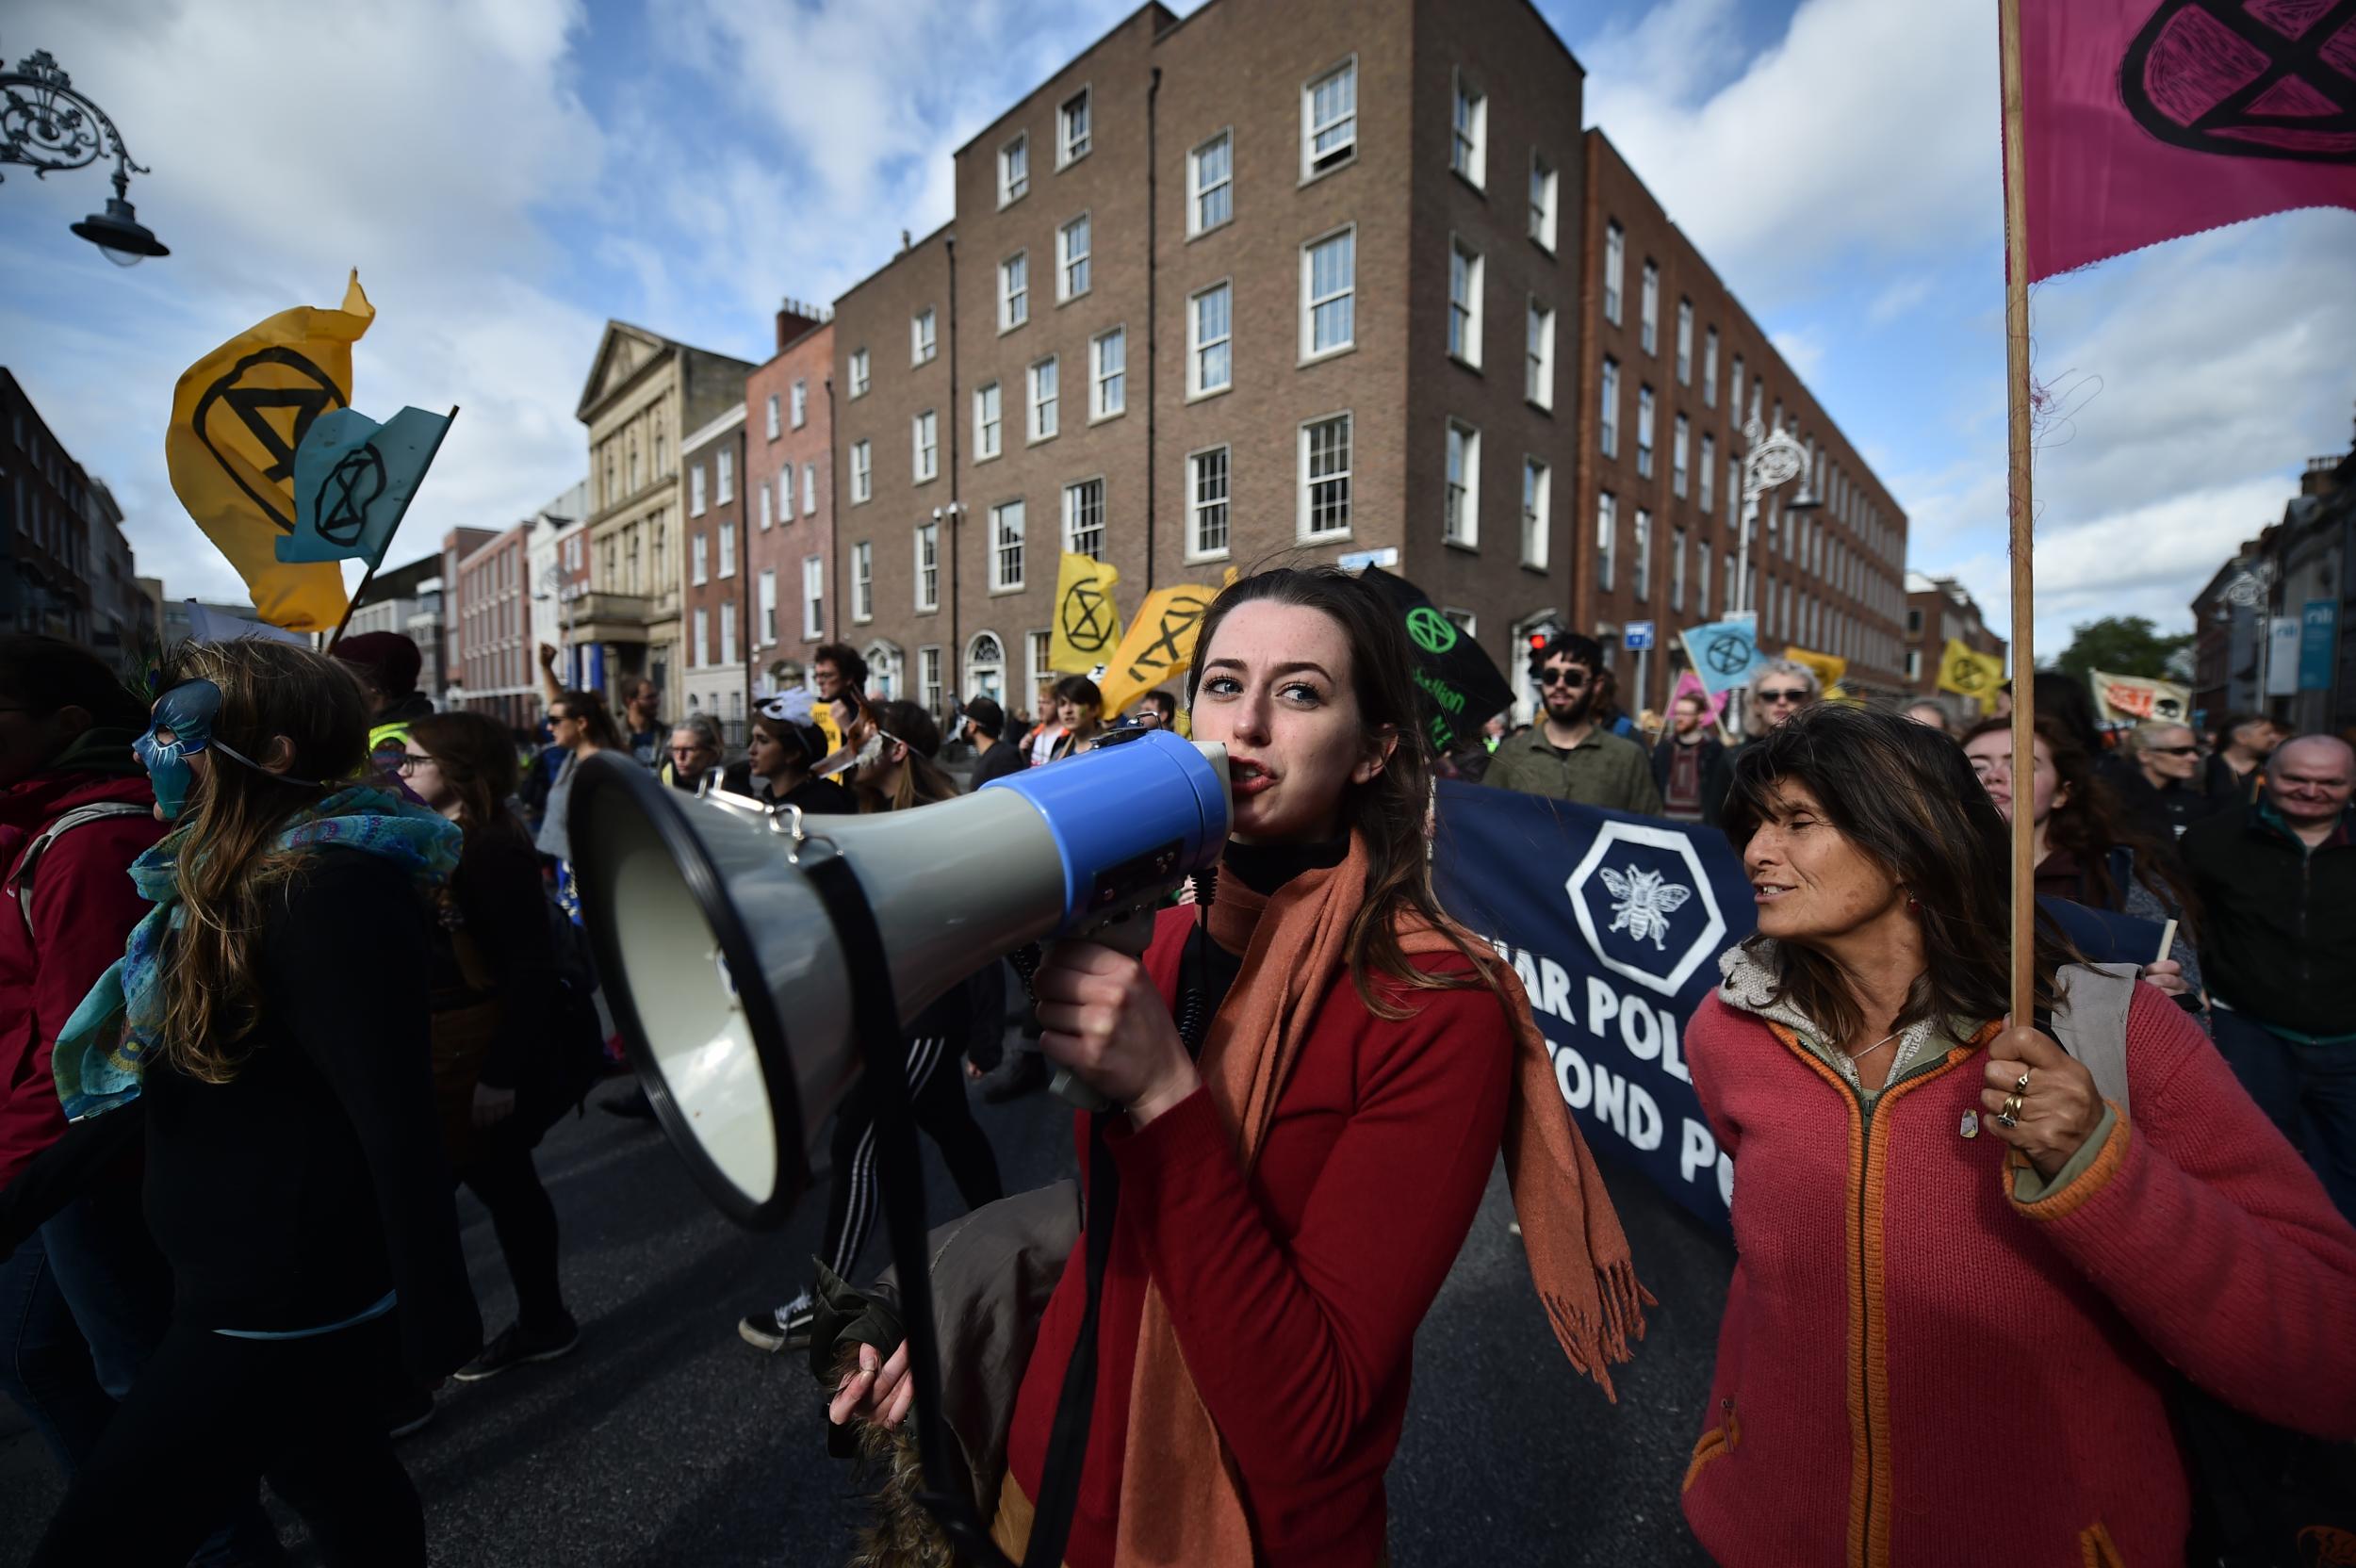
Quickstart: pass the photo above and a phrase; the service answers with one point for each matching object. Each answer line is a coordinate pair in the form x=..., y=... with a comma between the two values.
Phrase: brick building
x=65, y=568
x=1671, y=366
x=487, y=622
x=789, y=476
x=712, y=681
x=1194, y=311
x=1939, y=608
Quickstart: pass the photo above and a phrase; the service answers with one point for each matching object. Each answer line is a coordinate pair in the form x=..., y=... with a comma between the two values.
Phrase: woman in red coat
x=1964, y=1275
x=1291, y=1194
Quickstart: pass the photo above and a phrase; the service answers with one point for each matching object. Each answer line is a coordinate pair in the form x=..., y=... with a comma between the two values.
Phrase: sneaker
x=412, y=1415
x=633, y=1105
x=775, y=1329
x=517, y=1344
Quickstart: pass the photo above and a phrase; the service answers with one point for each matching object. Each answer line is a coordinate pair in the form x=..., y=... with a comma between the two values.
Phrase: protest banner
x=1461, y=686
x=1615, y=925
x=2132, y=698
x=1087, y=622
x=238, y=416
x=1159, y=646
x=1723, y=653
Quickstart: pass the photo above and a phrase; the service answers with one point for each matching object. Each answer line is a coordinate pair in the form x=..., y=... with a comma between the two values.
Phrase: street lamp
x=48, y=126
x=1768, y=462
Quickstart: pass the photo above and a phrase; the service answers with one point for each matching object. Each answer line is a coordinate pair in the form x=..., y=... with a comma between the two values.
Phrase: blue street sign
x=1637, y=636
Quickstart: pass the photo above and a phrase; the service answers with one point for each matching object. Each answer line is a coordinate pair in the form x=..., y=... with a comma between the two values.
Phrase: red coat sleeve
x=2212, y=1237
x=1332, y=1315
x=83, y=909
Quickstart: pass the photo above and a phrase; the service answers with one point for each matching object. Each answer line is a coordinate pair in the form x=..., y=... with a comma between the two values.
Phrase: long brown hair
x=477, y=758
x=1905, y=795
x=922, y=782
x=595, y=718
x=1389, y=811
x=2090, y=822
x=230, y=875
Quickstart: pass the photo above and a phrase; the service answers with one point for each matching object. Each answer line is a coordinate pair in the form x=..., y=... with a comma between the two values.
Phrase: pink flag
x=2146, y=120
x=1690, y=685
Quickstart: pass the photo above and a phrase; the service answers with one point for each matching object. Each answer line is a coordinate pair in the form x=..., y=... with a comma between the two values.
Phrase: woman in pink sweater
x=1950, y=1333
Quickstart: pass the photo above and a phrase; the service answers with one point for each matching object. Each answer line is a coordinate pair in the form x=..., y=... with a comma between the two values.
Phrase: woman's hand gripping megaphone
x=1105, y=1026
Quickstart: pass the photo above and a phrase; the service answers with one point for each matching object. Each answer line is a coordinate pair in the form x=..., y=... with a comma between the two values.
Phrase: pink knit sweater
x=1914, y=1368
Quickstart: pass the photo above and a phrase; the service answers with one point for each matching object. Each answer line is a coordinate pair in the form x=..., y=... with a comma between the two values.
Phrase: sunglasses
x=1786, y=694
x=2173, y=751
x=1573, y=678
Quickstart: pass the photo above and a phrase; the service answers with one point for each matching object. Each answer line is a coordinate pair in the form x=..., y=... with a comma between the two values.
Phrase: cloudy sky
x=508, y=175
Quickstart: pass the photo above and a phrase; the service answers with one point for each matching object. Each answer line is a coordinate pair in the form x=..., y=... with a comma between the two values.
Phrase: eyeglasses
x=411, y=761
x=1573, y=678
x=1786, y=694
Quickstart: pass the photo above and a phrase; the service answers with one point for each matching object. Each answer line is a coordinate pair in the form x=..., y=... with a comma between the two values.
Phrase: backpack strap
x=20, y=883
x=2090, y=1020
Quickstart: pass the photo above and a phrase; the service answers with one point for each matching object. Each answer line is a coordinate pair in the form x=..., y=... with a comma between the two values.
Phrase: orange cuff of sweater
x=2061, y=1204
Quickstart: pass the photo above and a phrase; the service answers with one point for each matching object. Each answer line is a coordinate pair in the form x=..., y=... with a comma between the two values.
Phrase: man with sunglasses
x=2170, y=758
x=1568, y=756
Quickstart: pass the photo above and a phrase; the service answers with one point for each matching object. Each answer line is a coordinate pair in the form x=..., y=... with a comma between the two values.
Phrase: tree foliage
x=2120, y=644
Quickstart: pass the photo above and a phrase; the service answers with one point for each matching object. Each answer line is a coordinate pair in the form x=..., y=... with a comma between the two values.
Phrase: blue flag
x=353, y=479
x=1723, y=653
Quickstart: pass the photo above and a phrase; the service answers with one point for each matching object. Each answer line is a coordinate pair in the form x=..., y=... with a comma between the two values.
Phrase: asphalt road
x=667, y=1440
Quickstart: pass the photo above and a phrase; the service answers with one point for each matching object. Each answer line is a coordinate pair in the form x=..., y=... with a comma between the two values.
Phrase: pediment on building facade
x=622, y=352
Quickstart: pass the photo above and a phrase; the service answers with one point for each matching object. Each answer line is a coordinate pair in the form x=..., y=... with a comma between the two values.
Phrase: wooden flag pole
x=2024, y=577
x=370, y=576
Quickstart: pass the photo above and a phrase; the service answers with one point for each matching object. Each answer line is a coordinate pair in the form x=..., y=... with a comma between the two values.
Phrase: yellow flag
x=1160, y=644
x=1829, y=667
x=1088, y=622
x=1968, y=674
x=236, y=418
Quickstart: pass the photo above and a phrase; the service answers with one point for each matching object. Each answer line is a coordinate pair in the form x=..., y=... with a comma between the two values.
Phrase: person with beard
x=1570, y=756
x=1684, y=758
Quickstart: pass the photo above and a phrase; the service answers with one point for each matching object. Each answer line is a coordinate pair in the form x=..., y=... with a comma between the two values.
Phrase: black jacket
x=1663, y=751
x=2278, y=920
x=1718, y=780
x=1000, y=759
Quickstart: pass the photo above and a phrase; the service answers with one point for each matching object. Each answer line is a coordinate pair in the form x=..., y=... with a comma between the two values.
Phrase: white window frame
x=1608, y=407
x=862, y=473
x=698, y=552
x=1075, y=272
x=728, y=632
x=1647, y=429
x=1311, y=302
x=1685, y=342
x=1640, y=571
x=1198, y=193
x=1465, y=318
x=724, y=476
x=924, y=446
x=1042, y=419
x=1014, y=291
x=1038, y=647
x=1108, y=390
x=1197, y=345
x=1680, y=455
x=1706, y=469
x=1014, y=169
x=1460, y=487
x=1343, y=153
x=860, y=380
x=1649, y=308
x=699, y=649
x=1468, y=133
x=1537, y=512
x=862, y=582
x=800, y=416
x=990, y=420
x=764, y=507
x=1701, y=580
x=1000, y=515
x=1710, y=367
x=785, y=494
x=1071, y=145
x=1545, y=198
x=727, y=552
x=1615, y=270
x=1305, y=483
x=924, y=336
x=973, y=682
x=1075, y=496
x=1197, y=506
x=774, y=431
x=809, y=489
x=696, y=490
x=929, y=686
x=1606, y=538
x=1538, y=367
x=765, y=606
x=926, y=577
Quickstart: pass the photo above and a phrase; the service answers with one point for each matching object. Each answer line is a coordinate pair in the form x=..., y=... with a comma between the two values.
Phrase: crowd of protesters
x=199, y=871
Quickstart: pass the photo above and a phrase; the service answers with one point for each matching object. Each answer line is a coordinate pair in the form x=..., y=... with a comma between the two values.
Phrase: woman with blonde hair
x=1778, y=690
x=265, y=1041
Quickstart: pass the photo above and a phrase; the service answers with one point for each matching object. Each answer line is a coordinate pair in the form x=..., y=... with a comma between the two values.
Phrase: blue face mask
x=188, y=711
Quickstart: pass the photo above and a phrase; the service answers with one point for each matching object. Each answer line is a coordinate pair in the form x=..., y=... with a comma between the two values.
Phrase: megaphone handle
x=1131, y=933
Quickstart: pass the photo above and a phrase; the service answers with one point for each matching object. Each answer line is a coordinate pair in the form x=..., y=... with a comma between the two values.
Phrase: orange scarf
x=1181, y=1502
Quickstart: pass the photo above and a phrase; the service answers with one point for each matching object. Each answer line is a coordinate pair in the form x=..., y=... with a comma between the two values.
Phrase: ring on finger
x=2023, y=1086
x=2009, y=1116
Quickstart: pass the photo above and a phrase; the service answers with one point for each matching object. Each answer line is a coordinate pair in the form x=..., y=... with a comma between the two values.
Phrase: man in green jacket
x=1566, y=755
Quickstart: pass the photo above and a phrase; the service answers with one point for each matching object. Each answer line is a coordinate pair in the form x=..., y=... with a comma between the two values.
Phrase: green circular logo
x=1432, y=631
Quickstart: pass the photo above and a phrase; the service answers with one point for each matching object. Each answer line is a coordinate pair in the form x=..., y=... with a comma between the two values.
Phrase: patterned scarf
x=102, y=1051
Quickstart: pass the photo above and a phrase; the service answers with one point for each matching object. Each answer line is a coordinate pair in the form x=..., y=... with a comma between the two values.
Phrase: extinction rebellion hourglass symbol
x=2247, y=78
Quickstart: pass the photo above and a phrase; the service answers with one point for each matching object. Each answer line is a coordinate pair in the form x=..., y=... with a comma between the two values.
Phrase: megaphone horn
x=725, y=947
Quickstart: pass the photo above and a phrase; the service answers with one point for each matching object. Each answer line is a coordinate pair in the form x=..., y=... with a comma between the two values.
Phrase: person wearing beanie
x=387, y=664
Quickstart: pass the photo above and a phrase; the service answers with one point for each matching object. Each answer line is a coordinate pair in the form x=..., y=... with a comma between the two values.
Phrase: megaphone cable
x=876, y=1017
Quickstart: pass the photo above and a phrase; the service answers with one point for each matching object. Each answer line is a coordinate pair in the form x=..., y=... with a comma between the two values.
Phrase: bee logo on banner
x=1615, y=925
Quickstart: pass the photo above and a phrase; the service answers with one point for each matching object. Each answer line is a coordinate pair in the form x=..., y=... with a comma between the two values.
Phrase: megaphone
x=731, y=935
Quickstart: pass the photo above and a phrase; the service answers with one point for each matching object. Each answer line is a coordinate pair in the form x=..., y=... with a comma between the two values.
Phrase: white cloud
x=1803, y=350
x=1903, y=294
